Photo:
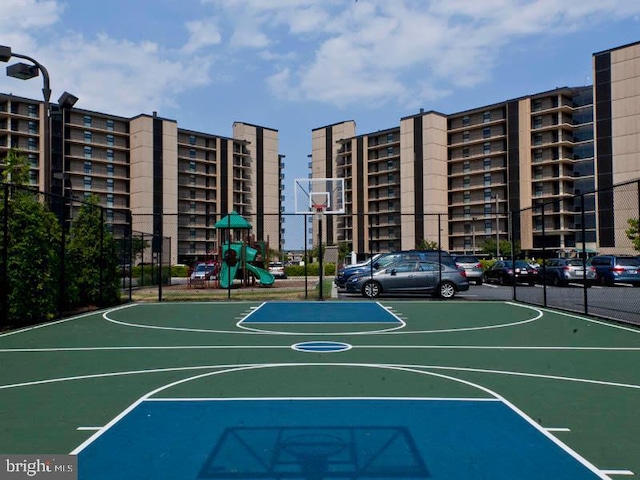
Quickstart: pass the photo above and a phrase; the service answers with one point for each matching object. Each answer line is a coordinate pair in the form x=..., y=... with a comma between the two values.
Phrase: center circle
x=321, y=347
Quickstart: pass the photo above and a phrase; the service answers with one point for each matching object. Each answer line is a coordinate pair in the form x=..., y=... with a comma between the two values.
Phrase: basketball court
x=326, y=390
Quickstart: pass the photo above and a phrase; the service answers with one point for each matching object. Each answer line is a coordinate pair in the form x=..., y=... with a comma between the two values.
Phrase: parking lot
x=620, y=302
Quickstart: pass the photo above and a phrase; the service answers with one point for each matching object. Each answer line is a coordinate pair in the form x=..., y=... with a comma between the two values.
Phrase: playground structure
x=240, y=256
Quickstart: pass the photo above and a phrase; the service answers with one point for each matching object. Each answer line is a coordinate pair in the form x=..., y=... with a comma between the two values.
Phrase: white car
x=277, y=270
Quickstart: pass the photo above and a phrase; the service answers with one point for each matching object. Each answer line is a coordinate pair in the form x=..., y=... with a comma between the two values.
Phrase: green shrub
x=179, y=271
x=312, y=270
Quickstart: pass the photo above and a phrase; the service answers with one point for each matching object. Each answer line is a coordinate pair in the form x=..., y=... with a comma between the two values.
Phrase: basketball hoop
x=318, y=210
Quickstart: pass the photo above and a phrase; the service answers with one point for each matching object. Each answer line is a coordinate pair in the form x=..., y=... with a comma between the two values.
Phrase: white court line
x=618, y=472
x=92, y=429
x=48, y=324
x=583, y=461
x=557, y=429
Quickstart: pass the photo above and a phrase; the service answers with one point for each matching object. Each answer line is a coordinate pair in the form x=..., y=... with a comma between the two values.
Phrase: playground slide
x=264, y=277
x=227, y=274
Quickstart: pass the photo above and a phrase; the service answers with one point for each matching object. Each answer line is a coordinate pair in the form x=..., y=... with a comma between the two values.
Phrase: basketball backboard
x=313, y=194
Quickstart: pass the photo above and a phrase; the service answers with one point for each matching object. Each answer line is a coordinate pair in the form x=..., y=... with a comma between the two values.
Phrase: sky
x=296, y=65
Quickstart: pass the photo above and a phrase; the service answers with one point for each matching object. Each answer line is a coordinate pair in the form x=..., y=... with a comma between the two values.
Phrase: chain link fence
x=58, y=255
x=201, y=255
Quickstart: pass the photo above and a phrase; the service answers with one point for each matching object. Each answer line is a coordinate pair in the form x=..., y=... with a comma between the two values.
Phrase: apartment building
x=173, y=182
x=455, y=178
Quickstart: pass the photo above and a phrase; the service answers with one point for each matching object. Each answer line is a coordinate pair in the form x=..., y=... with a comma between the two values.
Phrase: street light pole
x=25, y=72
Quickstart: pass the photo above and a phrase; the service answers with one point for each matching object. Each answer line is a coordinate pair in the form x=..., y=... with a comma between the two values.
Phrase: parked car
x=507, y=272
x=343, y=274
x=561, y=271
x=613, y=269
x=204, y=271
x=472, y=267
x=406, y=276
x=277, y=269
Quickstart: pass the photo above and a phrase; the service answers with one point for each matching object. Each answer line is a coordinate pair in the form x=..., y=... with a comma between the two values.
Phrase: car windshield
x=466, y=260
x=629, y=262
x=575, y=263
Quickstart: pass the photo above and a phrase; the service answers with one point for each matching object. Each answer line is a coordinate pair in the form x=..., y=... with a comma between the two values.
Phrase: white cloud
x=202, y=33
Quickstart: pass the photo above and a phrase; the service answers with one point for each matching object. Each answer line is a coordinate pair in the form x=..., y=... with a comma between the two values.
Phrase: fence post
x=102, y=256
x=544, y=257
x=584, y=257
x=306, y=257
x=4, y=290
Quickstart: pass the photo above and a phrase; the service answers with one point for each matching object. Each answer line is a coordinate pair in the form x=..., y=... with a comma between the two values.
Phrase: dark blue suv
x=613, y=269
x=387, y=258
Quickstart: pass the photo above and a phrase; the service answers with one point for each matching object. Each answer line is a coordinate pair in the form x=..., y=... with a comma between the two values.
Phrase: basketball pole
x=319, y=215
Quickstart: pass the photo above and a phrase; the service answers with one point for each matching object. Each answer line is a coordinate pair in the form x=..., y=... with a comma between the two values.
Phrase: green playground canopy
x=233, y=220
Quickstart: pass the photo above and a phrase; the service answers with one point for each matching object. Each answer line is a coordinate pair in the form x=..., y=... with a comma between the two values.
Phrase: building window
x=466, y=120
x=487, y=194
x=33, y=177
x=192, y=206
x=487, y=179
x=389, y=164
x=537, y=122
x=88, y=152
x=389, y=151
x=87, y=137
x=192, y=153
x=486, y=117
x=87, y=183
x=486, y=147
x=110, y=140
x=537, y=155
x=538, y=189
x=536, y=105
x=32, y=143
x=488, y=226
x=466, y=197
x=466, y=182
x=487, y=209
x=537, y=173
x=465, y=152
x=486, y=164
x=192, y=166
x=87, y=168
x=465, y=136
x=32, y=110
x=192, y=194
x=389, y=137
x=466, y=167
x=109, y=200
x=110, y=125
x=33, y=160
x=192, y=179
x=110, y=169
x=192, y=139
x=88, y=121
x=33, y=127
x=467, y=212
x=192, y=233
x=537, y=139
x=109, y=184
x=486, y=132
x=109, y=155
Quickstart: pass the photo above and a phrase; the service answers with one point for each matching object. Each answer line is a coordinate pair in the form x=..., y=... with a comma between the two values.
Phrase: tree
x=424, y=244
x=633, y=232
x=33, y=259
x=489, y=247
x=92, y=260
x=16, y=168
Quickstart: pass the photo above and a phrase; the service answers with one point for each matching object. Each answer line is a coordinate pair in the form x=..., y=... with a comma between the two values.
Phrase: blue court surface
x=312, y=312
x=388, y=439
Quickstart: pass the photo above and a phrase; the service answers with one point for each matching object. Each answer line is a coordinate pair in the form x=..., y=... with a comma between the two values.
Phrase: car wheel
x=502, y=280
x=371, y=289
x=556, y=281
x=479, y=281
x=447, y=290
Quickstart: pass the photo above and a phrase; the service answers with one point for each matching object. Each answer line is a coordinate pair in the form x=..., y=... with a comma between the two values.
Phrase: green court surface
x=356, y=389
